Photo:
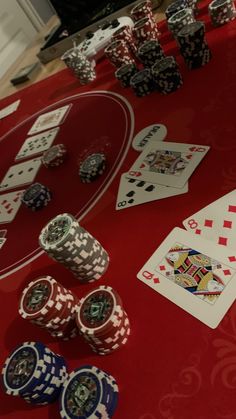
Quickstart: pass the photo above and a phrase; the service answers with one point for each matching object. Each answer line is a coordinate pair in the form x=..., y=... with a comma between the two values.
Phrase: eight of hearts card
x=50, y=119
x=168, y=163
x=195, y=274
x=37, y=144
x=216, y=222
x=9, y=206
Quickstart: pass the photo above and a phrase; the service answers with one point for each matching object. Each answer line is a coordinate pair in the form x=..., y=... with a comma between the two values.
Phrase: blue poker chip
x=86, y=393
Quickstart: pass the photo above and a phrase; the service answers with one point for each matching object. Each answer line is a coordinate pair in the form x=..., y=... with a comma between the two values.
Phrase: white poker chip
x=155, y=132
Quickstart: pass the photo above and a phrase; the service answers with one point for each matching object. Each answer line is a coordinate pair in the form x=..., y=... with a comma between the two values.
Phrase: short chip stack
x=166, y=75
x=150, y=52
x=92, y=167
x=193, y=45
x=65, y=241
x=90, y=393
x=81, y=66
x=34, y=373
x=142, y=83
x=221, y=11
x=54, y=156
x=144, y=30
x=177, y=21
x=125, y=73
x=102, y=321
x=36, y=197
x=49, y=305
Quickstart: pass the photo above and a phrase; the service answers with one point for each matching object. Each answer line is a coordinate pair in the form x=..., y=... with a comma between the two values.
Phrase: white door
x=16, y=33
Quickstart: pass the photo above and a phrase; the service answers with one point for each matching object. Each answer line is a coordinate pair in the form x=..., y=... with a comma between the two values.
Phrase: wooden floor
x=29, y=57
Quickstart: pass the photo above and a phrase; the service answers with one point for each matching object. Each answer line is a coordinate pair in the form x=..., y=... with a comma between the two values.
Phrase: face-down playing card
x=216, y=222
x=37, y=144
x=50, y=119
x=168, y=163
x=9, y=206
x=197, y=275
x=136, y=191
x=20, y=174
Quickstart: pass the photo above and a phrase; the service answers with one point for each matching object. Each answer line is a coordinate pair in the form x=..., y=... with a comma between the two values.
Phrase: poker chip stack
x=54, y=156
x=221, y=11
x=142, y=9
x=142, y=83
x=102, y=321
x=150, y=52
x=125, y=34
x=65, y=241
x=92, y=167
x=36, y=197
x=88, y=392
x=34, y=373
x=125, y=73
x=144, y=30
x=118, y=53
x=193, y=45
x=177, y=21
x=175, y=7
x=82, y=67
x=166, y=75
x=49, y=305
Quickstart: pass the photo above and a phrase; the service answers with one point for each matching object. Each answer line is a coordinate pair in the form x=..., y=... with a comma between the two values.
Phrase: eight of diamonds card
x=50, y=119
x=217, y=221
x=169, y=164
x=196, y=274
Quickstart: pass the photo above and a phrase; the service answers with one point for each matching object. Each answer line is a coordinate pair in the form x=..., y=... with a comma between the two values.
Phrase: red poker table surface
x=173, y=366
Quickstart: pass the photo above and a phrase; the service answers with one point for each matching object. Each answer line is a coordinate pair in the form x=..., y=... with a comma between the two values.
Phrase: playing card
x=20, y=174
x=2, y=242
x=168, y=163
x=50, y=119
x=197, y=275
x=217, y=221
x=9, y=109
x=136, y=191
x=37, y=144
x=156, y=132
x=9, y=206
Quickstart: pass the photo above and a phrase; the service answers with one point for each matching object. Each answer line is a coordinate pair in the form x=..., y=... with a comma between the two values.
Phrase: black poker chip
x=36, y=196
x=166, y=75
x=149, y=52
x=142, y=83
x=92, y=167
x=125, y=72
x=221, y=11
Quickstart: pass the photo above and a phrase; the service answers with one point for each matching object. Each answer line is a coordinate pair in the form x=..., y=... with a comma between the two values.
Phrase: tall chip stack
x=193, y=45
x=34, y=373
x=81, y=66
x=178, y=20
x=102, y=321
x=66, y=242
x=175, y=7
x=47, y=304
x=221, y=11
x=150, y=52
x=118, y=53
x=88, y=392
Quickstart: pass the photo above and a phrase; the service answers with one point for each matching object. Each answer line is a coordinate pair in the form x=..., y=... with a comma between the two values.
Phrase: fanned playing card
x=50, y=119
x=196, y=274
x=37, y=144
x=9, y=206
x=168, y=163
x=9, y=109
x=217, y=221
x=136, y=191
x=20, y=174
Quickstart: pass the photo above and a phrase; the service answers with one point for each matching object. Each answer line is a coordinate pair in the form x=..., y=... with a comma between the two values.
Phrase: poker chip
x=47, y=304
x=125, y=34
x=166, y=75
x=221, y=11
x=92, y=167
x=102, y=321
x=144, y=30
x=118, y=53
x=34, y=373
x=54, y=156
x=193, y=45
x=36, y=197
x=150, y=52
x=124, y=74
x=88, y=392
x=66, y=242
x=141, y=10
x=178, y=20
x=175, y=7
x=142, y=82
x=82, y=67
